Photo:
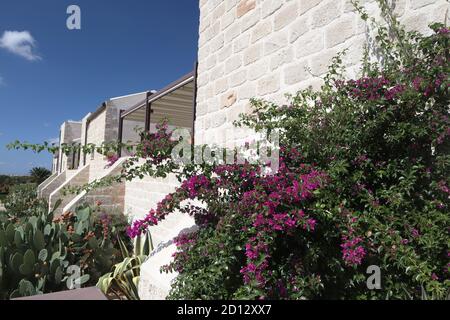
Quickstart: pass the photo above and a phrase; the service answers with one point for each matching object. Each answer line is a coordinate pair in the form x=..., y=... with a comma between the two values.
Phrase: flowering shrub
x=363, y=180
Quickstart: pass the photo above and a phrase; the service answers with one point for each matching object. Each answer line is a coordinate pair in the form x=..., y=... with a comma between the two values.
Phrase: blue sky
x=49, y=74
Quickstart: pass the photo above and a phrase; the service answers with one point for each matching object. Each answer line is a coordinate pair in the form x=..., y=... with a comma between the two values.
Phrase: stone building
x=267, y=48
x=247, y=48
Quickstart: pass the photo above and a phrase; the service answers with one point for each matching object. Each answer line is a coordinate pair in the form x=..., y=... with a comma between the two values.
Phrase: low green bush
x=21, y=199
x=41, y=253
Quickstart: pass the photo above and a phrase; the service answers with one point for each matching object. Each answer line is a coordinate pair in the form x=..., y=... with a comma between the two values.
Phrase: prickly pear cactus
x=39, y=253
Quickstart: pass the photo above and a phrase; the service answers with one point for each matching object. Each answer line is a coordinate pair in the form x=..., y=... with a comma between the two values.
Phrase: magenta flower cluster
x=352, y=250
x=265, y=205
x=194, y=184
x=112, y=159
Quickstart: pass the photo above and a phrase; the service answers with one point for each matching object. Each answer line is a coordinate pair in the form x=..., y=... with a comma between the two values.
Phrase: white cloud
x=21, y=43
x=53, y=140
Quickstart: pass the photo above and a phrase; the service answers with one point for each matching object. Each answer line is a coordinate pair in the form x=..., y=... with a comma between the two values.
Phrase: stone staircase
x=112, y=198
x=73, y=179
x=47, y=182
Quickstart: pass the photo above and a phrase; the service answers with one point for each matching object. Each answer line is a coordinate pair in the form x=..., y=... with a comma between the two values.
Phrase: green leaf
x=10, y=233
x=43, y=254
x=38, y=240
x=58, y=275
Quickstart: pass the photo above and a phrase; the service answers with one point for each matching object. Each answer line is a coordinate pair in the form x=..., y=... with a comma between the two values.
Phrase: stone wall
x=70, y=131
x=262, y=48
x=104, y=127
x=141, y=195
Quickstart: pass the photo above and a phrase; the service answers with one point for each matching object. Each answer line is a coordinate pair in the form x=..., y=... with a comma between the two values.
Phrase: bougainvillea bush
x=363, y=181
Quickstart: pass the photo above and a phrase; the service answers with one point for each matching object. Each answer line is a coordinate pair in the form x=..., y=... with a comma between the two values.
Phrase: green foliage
x=21, y=200
x=383, y=140
x=38, y=249
x=123, y=280
x=39, y=174
x=6, y=182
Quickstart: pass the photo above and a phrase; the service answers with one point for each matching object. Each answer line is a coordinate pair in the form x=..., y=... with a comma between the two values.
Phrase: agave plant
x=123, y=280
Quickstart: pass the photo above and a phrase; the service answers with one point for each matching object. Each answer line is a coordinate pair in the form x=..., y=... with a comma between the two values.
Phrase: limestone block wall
x=55, y=165
x=70, y=131
x=141, y=195
x=262, y=48
x=104, y=127
x=114, y=106
x=96, y=135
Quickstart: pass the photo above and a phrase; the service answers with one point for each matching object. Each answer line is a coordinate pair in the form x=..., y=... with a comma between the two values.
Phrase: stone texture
x=286, y=15
x=241, y=43
x=238, y=78
x=232, y=32
x=277, y=39
x=416, y=4
x=296, y=73
x=261, y=30
x=217, y=43
x=298, y=28
x=228, y=19
x=282, y=57
x=309, y=44
x=305, y=5
x=339, y=31
x=229, y=99
x=325, y=13
x=250, y=20
x=270, y=6
x=247, y=90
x=320, y=62
x=269, y=84
x=257, y=69
x=275, y=42
x=245, y=6
x=253, y=53
x=233, y=63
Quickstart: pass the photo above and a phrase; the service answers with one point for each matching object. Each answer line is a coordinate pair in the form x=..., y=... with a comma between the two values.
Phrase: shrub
x=123, y=280
x=8, y=181
x=21, y=199
x=364, y=180
x=39, y=174
x=38, y=251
